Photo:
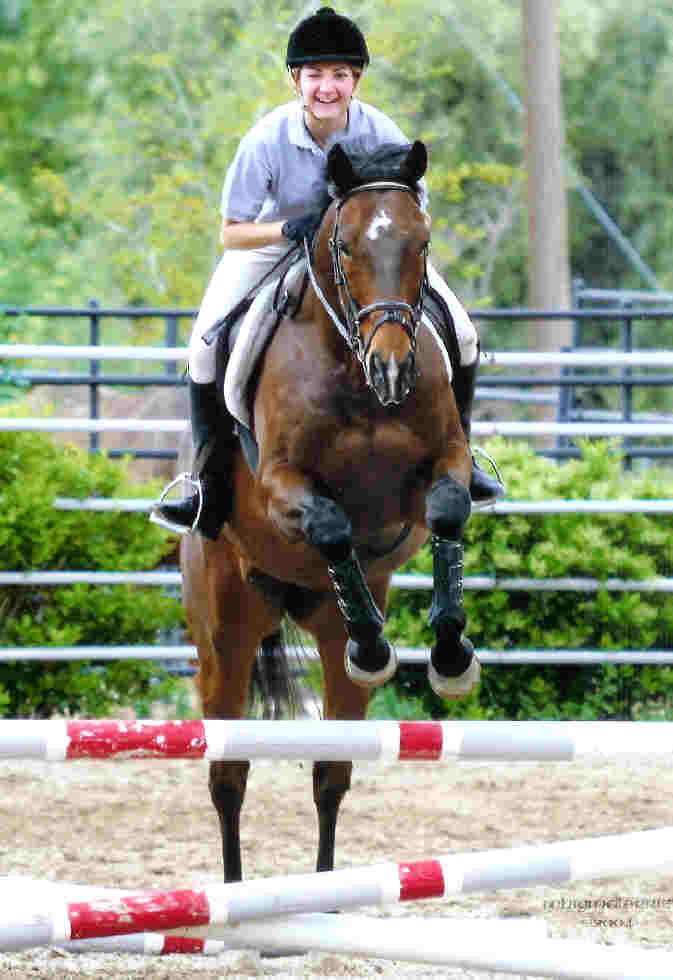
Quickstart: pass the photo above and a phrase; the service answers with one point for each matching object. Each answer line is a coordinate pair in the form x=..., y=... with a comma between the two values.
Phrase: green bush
x=627, y=546
x=36, y=536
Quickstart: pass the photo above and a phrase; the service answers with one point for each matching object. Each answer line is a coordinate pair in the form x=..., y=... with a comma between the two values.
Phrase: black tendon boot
x=210, y=504
x=483, y=487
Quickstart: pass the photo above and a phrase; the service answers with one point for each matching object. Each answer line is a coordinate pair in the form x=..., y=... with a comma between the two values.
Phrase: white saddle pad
x=252, y=337
x=253, y=334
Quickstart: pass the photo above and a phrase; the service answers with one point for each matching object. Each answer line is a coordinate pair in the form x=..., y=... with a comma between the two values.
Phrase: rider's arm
x=250, y=234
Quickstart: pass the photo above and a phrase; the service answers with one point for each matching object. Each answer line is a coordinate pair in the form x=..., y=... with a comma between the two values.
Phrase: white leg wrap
x=367, y=678
x=455, y=687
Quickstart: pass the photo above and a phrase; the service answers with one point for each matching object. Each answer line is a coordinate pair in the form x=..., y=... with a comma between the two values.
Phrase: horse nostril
x=377, y=368
x=407, y=375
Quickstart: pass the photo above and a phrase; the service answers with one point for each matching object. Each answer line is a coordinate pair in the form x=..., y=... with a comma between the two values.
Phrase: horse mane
x=350, y=165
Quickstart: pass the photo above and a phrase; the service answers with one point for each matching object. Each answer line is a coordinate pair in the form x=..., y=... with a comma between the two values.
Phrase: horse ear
x=417, y=161
x=340, y=170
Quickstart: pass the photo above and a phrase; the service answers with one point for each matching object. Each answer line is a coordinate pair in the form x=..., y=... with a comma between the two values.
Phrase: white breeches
x=236, y=273
x=240, y=269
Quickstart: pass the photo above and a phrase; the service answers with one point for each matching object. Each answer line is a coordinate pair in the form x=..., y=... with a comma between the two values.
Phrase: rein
x=394, y=311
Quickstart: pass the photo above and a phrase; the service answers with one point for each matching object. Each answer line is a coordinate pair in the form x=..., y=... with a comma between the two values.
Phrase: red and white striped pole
x=422, y=940
x=323, y=741
x=55, y=920
x=148, y=944
x=503, y=946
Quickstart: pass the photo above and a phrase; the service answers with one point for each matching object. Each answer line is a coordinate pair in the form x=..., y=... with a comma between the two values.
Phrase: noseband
x=393, y=310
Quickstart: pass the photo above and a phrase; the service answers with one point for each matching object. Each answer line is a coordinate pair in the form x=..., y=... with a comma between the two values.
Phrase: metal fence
x=563, y=387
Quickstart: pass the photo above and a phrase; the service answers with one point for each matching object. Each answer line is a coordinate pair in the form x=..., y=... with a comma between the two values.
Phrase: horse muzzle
x=391, y=380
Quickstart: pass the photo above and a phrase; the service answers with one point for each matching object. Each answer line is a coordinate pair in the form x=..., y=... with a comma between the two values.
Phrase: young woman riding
x=274, y=195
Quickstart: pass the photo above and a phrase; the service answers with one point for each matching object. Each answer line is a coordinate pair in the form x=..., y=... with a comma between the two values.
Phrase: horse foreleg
x=454, y=669
x=302, y=513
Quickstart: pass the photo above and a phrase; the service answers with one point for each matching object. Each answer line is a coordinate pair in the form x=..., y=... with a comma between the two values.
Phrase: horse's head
x=379, y=244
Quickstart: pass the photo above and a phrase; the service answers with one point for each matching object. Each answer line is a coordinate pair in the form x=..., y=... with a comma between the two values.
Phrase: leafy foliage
x=121, y=119
x=34, y=535
x=626, y=546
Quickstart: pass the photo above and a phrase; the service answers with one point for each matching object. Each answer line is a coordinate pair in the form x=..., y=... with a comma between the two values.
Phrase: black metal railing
x=568, y=381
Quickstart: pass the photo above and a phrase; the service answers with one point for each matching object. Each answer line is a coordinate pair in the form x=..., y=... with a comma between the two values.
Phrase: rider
x=274, y=195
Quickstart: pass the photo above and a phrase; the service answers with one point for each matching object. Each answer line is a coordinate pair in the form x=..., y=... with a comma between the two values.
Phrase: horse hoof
x=274, y=954
x=451, y=688
x=385, y=663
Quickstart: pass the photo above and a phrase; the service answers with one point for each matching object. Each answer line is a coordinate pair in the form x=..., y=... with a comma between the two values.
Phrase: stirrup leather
x=196, y=486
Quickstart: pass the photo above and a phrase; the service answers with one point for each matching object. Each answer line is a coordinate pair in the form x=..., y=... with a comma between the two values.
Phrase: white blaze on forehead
x=379, y=223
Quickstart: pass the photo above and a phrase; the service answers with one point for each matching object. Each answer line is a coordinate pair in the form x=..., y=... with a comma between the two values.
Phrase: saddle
x=242, y=342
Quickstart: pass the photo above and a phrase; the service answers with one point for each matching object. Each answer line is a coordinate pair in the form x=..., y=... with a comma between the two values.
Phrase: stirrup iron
x=475, y=450
x=195, y=484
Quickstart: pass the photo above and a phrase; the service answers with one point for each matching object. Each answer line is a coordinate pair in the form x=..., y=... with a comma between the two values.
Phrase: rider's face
x=326, y=90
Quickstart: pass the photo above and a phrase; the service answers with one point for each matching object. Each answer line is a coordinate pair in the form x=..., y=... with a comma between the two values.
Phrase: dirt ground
x=150, y=823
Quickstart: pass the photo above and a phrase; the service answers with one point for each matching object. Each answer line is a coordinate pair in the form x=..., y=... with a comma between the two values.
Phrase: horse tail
x=274, y=680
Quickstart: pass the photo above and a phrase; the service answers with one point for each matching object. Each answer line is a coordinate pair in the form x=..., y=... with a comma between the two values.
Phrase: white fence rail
x=409, y=582
x=552, y=506
x=581, y=357
x=633, y=506
x=602, y=430
x=406, y=655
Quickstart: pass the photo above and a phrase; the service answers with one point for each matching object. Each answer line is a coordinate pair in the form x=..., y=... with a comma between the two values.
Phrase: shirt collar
x=300, y=136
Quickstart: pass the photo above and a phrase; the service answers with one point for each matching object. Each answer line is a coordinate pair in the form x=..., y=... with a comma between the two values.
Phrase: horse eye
x=344, y=248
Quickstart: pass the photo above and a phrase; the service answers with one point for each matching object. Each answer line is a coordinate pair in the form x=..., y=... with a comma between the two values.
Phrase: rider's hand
x=297, y=229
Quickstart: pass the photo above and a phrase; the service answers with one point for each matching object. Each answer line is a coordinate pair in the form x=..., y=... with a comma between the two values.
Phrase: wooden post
x=548, y=264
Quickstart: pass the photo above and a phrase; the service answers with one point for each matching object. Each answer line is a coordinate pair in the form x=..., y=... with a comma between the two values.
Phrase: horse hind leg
x=454, y=668
x=343, y=700
x=227, y=653
x=227, y=783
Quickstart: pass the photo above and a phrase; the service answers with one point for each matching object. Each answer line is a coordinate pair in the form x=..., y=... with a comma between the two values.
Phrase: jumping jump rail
x=57, y=920
x=438, y=941
x=324, y=741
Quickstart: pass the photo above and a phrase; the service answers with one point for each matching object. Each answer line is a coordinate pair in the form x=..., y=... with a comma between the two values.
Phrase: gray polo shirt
x=278, y=171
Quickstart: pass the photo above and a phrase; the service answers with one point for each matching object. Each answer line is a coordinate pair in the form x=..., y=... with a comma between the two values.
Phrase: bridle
x=394, y=311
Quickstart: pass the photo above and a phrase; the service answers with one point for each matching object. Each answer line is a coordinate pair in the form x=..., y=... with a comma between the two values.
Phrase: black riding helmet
x=327, y=36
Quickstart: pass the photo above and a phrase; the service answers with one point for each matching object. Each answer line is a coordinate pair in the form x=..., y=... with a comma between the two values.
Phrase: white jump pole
x=279, y=934
x=57, y=920
x=148, y=944
x=59, y=740
x=459, y=944
x=506, y=946
x=412, y=939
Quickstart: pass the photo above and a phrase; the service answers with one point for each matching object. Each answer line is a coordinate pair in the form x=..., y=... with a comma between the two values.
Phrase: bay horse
x=361, y=456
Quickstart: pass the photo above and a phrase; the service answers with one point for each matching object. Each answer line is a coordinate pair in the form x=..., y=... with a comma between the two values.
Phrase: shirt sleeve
x=248, y=180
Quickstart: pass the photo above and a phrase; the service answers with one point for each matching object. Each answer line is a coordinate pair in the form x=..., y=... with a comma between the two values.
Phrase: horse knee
x=447, y=508
x=327, y=528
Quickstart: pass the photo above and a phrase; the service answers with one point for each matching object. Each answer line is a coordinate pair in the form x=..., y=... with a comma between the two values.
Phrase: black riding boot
x=483, y=487
x=210, y=505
